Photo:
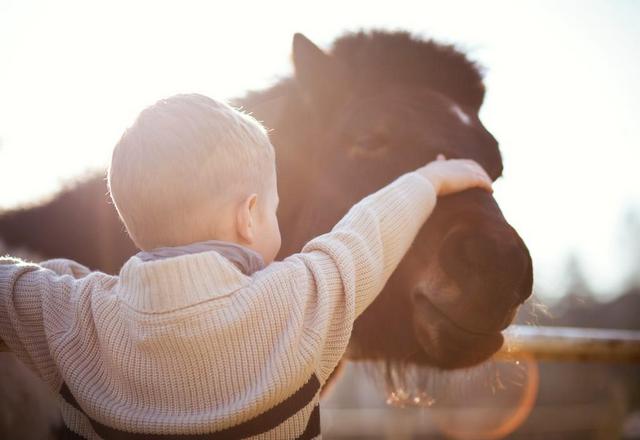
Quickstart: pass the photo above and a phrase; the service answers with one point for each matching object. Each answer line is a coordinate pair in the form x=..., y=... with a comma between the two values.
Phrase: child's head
x=191, y=169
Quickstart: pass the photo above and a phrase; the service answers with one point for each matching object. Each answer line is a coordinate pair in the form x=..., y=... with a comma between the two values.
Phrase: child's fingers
x=485, y=182
x=483, y=177
x=478, y=169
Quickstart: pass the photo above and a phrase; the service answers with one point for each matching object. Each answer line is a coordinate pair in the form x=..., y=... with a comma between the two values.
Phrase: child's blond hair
x=181, y=160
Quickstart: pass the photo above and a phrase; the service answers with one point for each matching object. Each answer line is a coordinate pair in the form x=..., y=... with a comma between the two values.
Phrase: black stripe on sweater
x=259, y=424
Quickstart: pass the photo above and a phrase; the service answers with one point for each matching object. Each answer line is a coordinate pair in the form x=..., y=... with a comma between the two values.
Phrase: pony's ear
x=322, y=78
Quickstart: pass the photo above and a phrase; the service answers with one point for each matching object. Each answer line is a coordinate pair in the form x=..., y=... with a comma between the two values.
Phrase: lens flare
x=489, y=401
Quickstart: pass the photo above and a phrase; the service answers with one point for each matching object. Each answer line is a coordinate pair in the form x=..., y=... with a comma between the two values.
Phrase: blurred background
x=562, y=99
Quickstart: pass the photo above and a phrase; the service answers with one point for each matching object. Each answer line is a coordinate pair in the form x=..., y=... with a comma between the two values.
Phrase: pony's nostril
x=482, y=263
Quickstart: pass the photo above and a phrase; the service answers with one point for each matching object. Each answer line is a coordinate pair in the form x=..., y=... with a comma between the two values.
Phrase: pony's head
x=379, y=105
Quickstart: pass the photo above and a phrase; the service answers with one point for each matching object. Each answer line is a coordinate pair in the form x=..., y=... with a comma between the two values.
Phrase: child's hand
x=453, y=175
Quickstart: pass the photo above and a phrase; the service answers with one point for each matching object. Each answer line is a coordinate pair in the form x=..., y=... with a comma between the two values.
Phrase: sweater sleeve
x=64, y=266
x=27, y=294
x=344, y=270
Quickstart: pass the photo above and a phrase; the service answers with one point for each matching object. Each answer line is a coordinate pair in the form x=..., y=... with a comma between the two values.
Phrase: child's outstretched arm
x=26, y=289
x=64, y=266
x=338, y=274
x=378, y=231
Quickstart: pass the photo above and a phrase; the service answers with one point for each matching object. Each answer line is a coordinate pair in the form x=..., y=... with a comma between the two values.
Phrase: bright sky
x=563, y=96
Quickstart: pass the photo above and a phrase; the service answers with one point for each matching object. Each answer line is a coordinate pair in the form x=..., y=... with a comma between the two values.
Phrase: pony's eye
x=368, y=146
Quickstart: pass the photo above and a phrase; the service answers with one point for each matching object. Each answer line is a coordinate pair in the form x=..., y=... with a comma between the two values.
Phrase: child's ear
x=245, y=218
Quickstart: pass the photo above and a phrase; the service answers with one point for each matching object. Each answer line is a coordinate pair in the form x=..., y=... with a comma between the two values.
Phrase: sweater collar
x=246, y=260
x=166, y=279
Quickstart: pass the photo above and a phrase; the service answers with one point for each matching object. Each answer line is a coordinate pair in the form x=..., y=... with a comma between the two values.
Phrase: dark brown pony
x=348, y=122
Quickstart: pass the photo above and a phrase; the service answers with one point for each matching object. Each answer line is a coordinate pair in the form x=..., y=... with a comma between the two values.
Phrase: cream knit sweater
x=189, y=346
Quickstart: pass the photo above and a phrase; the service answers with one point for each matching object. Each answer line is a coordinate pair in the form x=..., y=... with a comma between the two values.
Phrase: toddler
x=202, y=334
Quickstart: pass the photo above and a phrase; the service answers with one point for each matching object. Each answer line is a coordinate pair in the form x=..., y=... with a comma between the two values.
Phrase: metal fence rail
x=564, y=344
x=572, y=344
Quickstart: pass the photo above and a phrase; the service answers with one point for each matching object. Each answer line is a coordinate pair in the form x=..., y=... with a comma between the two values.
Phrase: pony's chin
x=446, y=344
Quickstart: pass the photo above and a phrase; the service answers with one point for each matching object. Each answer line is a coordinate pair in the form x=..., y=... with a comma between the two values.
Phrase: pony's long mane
x=378, y=57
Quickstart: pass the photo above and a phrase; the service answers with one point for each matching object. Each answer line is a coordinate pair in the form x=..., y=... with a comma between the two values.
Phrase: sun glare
x=562, y=100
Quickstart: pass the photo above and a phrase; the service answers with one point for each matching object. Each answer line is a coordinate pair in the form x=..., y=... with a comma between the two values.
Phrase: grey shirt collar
x=246, y=260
